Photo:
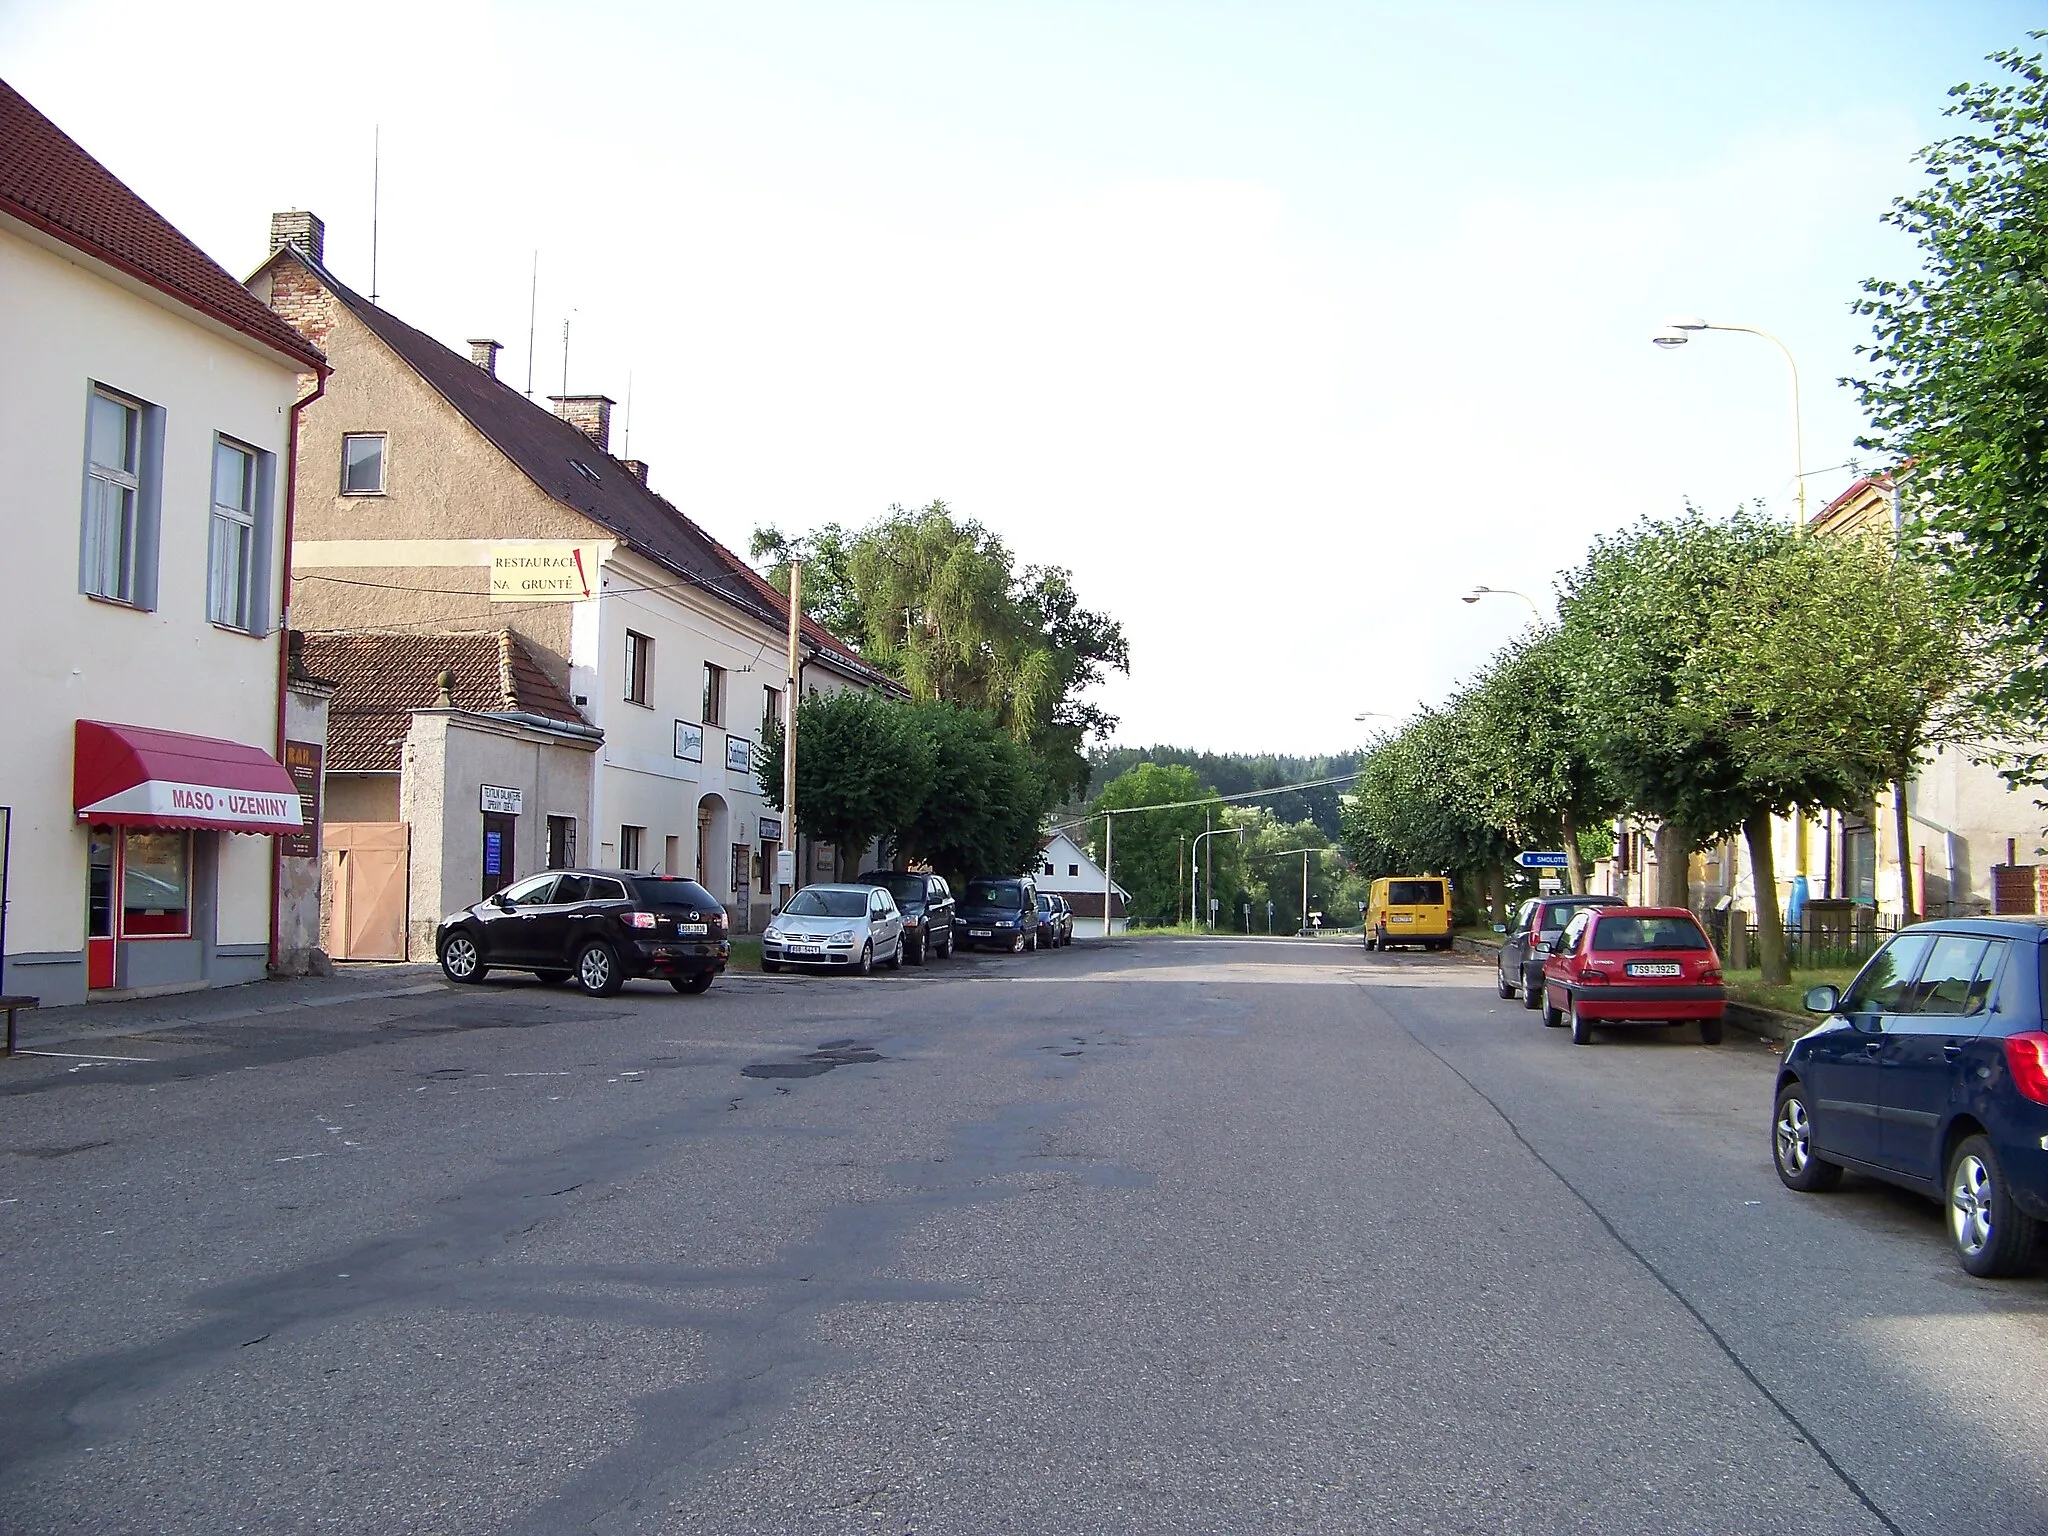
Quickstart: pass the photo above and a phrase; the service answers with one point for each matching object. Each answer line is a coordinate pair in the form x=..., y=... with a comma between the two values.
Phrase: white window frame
x=121, y=501
x=231, y=592
x=383, y=440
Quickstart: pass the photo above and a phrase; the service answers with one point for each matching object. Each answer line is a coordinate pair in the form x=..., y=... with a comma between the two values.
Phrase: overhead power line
x=1178, y=805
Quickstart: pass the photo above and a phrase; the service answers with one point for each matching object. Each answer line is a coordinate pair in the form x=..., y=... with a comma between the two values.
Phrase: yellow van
x=1409, y=909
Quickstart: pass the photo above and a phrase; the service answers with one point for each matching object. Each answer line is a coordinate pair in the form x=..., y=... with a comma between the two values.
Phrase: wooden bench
x=12, y=1005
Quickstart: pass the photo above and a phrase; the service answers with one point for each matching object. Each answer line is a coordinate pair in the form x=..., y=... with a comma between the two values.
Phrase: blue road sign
x=1541, y=860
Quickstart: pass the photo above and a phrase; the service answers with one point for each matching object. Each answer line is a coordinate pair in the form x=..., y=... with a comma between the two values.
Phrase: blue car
x=1932, y=1073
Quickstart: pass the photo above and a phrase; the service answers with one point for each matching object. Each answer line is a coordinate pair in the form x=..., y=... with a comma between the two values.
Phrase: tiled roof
x=547, y=450
x=379, y=680
x=48, y=182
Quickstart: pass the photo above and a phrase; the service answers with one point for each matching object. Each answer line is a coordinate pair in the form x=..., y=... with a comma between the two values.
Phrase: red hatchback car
x=1633, y=965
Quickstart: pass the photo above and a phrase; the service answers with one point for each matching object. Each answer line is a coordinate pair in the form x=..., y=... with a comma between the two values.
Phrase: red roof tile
x=48, y=182
x=379, y=680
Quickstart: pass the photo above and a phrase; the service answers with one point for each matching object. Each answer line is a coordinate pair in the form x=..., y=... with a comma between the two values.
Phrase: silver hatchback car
x=835, y=927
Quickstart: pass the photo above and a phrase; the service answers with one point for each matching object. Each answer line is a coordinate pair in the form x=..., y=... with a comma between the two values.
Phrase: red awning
x=130, y=775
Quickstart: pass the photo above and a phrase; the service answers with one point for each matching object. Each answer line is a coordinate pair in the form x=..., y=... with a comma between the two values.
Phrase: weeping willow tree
x=938, y=603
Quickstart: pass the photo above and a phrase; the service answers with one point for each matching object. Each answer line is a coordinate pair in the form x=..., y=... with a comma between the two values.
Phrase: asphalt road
x=1170, y=1236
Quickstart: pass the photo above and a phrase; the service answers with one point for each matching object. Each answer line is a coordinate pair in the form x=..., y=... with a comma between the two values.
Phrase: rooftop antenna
x=532, y=317
x=628, y=453
x=376, y=177
x=565, y=354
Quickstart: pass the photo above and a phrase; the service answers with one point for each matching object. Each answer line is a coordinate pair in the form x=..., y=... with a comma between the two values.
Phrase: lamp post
x=1677, y=333
x=1478, y=592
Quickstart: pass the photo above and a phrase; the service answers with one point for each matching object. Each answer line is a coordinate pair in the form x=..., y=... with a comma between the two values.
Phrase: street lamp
x=1677, y=333
x=1375, y=714
x=1478, y=592
x=1195, y=863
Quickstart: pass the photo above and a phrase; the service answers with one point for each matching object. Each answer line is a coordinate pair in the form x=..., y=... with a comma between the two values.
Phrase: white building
x=146, y=409
x=1064, y=869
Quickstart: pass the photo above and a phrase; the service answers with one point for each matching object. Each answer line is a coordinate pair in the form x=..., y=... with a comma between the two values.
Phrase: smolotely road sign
x=1541, y=860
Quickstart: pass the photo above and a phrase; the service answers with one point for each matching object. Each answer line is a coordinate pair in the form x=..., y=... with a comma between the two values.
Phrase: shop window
x=238, y=536
x=639, y=666
x=99, y=890
x=498, y=867
x=123, y=486
x=156, y=884
x=561, y=841
x=714, y=694
x=362, y=464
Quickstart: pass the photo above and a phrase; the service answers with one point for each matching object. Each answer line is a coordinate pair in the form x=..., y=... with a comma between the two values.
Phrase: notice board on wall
x=302, y=762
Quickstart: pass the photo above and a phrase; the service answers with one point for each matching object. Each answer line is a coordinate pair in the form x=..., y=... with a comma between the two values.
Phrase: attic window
x=585, y=471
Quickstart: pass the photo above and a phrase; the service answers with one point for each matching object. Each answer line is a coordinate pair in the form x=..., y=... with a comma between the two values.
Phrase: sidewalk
x=46, y=1029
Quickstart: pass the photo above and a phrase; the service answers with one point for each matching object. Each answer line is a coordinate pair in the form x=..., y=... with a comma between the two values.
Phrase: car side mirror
x=1823, y=1000
x=1500, y=927
x=501, y=901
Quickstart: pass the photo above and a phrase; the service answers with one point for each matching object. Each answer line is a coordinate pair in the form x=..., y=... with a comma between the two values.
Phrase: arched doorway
x=714, y=837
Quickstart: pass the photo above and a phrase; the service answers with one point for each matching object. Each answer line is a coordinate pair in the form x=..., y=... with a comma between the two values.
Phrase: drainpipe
x=284, y=636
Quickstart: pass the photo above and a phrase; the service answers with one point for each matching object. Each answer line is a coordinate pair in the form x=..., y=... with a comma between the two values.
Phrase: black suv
x=926, y=902
x=1000, y=913
x=598, y=925
x=1528, y=940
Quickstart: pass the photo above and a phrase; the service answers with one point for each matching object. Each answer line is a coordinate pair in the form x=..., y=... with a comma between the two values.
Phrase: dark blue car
x=1932, y=1073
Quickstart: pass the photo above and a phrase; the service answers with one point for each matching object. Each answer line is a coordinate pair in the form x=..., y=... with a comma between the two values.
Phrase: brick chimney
x=484, y=353
x=589, y=414
x=297, y=227
x=637, y=468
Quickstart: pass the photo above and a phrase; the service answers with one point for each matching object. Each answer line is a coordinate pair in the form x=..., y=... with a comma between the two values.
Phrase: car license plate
x=1653, y=968
x=807, y=949
x=698, y=928
x=1399, y=917
x=981, y=933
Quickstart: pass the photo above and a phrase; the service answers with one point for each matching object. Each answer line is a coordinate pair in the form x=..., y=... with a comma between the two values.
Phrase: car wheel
x=770, y=967
x=551, y=978
x=896, y=958
x=1017, y=945
x=597, y=969
x=1382, y=945
x=1582, y=1027
x=1710, y=1031
x=920, y=952
x=866, y=965
x=461, y=960
x=701, y=982
x=1502, y=987
x=946, y=949
x=1993, y=1237
x=1792, y=1145
x=1553, y=1016
x=1532, y=991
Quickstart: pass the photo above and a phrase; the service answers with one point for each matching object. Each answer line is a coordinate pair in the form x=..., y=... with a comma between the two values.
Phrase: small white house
x=1064, y=869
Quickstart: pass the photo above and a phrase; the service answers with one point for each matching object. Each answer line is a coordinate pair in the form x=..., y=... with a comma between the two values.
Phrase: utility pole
x=1179, y=864
x=1108, y=887
x=1209, y=868
x=789, y=702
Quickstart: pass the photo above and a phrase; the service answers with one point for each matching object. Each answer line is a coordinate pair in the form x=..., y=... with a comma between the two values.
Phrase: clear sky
x=1280, y=324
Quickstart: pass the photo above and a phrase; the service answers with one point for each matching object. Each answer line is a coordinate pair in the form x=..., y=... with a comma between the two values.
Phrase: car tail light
x=1591, y=975
x=640, y=919
x=2026, y=1055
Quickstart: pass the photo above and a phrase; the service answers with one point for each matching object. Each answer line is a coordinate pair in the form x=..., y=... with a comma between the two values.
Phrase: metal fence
x=1811, y=946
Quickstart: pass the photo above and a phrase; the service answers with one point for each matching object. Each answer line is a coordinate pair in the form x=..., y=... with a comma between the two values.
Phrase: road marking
x=299, y=1158
x=82, y=1056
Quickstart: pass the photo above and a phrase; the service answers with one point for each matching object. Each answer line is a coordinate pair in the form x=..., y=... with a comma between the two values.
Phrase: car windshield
x=1630, y=933
x=994, y=893
x=1045, y=904
x=673, y=893
x=1415, y=893
x=1556, y=915
x=816, y=903
x=903, y=887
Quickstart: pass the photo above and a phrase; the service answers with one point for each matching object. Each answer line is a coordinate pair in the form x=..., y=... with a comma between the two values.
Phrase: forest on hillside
x=1232, y=773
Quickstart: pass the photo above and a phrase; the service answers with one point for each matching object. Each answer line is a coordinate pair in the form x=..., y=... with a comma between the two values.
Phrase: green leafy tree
x=863, y=769
x=937, y=603
x=1531, y=769
x=1957, y=387
x=1147, y=848
x=1417, y=809
x=980, y=814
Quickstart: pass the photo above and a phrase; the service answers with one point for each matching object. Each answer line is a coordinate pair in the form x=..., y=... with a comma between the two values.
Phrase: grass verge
x=745, y=956
x=1748, y=987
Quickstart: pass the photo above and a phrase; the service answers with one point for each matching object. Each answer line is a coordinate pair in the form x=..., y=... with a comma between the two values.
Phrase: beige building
x=658, y=662
x=146, y=406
